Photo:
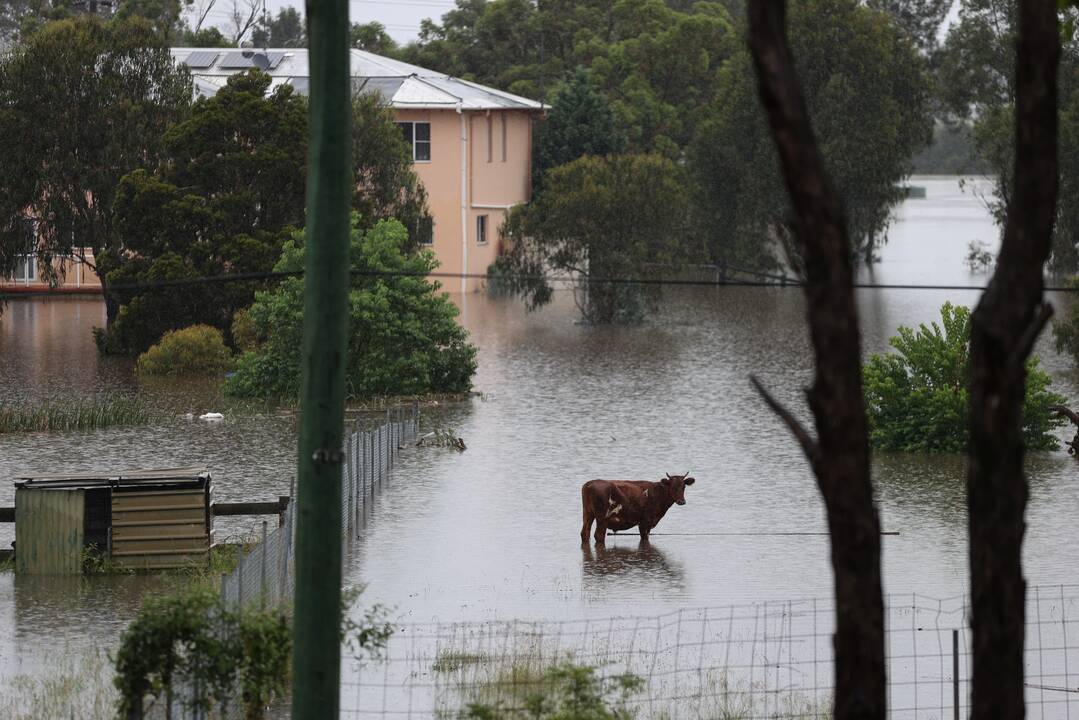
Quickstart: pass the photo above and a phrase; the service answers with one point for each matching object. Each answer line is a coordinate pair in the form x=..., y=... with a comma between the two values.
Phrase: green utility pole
x=316, y=662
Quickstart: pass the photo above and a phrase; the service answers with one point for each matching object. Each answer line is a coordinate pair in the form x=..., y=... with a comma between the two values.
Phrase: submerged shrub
x=195, y=350
x=403, y=334
x=918, y=398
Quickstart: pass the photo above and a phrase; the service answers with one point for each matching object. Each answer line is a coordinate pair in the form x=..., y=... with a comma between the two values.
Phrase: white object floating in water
x=189, y=416
x=212, y=417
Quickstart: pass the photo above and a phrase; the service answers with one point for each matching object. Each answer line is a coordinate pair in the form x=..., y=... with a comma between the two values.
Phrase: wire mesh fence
x=768, y=660
x=264, y=576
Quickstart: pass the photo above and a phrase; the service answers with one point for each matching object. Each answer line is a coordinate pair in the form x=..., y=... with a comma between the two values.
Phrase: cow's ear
x=690, y=481
x=666, y=479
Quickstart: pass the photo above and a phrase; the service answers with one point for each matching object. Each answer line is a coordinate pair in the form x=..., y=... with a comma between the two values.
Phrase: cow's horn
x=685, y=475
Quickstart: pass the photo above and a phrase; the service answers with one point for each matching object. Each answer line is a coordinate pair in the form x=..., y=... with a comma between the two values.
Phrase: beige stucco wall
x=493, y=182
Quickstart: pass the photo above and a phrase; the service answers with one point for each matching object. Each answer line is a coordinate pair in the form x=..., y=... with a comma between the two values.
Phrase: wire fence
x=264, y=577
x=768, y=660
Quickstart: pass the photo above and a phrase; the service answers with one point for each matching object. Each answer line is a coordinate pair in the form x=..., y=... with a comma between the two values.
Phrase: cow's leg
x=644, y=531
x=587, y=525
x=601, y=531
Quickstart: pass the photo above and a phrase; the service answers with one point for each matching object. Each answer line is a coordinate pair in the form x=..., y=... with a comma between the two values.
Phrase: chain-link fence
x=769, y=660
x=264, y=576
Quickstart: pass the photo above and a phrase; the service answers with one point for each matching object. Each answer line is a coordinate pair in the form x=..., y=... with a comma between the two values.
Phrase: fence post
x=262, y=570
x=240, y=580
x=955, y=673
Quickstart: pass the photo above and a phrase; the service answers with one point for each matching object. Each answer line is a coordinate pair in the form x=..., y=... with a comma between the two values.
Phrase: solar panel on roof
x=251, y=58
x=201, y=59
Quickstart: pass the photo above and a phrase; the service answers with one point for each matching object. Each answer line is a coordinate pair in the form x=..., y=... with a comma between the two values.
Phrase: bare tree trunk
x=840, y=454
x=1004, y=326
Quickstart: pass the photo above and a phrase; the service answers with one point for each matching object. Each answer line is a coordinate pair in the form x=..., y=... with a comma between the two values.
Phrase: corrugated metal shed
x=144, y=519
x=400, y=84
x=49, y=531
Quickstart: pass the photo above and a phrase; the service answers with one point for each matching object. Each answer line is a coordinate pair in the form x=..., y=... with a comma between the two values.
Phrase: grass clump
x=64, y=416
x=195, y=350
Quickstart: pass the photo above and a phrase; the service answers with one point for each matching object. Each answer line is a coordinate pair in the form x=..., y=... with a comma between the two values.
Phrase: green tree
x=230, y=193
x=287, y=30
x=918, y=398
x=403, y=335
x=599, y=219
x=868, y=94
x=82, y=103
x=579, y=123
x=372, y=37
x=977, y=80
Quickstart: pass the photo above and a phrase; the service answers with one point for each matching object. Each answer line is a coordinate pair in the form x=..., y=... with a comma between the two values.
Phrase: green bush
x=918, y=399
x=195, y=350
x=404, y=338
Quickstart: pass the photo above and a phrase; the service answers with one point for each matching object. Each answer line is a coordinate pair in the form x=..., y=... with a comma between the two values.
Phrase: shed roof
x=400, y=84
x=114, y=477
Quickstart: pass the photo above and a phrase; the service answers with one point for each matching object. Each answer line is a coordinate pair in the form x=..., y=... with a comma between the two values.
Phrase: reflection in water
x=631, y=566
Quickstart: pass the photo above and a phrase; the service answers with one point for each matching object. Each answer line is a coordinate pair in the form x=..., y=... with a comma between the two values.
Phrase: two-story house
x=471, y=144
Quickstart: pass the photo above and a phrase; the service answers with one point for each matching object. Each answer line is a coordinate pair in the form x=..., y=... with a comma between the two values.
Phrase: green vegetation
x=192, y=635
x=195, y=350
x=977, y=83
x=918, y=398
x=229, y=196
x=82, y=103
x=599, y=219
x=79, y=414
x=404, y=338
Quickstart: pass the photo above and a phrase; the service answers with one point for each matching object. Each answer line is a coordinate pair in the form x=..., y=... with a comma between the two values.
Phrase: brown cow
x=621, y=504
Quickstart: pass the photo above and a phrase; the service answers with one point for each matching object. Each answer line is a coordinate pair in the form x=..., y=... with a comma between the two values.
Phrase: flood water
x=493, y=532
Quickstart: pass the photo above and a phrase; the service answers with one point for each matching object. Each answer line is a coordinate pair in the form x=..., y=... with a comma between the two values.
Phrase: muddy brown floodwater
x=493, y=532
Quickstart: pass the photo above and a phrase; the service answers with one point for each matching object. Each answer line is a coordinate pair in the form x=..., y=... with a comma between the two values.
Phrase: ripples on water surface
x=493, y=532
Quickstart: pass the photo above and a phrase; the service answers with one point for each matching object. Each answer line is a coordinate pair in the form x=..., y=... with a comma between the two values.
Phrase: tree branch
x=809, y=445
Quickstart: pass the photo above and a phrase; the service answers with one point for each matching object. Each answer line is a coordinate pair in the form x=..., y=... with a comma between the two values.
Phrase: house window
x=425, y=231
x=481, y=229
x=503, y=117
x=26, y=264
x=418, y=136
x=25, y=268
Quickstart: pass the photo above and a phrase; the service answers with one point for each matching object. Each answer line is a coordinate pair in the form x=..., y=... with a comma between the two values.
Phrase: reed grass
x=65, y=416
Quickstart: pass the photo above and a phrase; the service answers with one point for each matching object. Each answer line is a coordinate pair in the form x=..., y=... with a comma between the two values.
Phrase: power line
x=771, y=281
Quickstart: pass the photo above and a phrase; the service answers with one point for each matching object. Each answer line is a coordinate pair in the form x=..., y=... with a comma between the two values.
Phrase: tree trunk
x=1004, y=326
x=840, y=454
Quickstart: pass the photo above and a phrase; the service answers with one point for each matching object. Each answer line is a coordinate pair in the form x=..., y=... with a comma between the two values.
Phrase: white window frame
x=481, y=229
x=411, y=138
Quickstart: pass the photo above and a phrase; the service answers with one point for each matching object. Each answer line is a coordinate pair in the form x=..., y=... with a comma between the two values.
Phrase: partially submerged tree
x=404, y=338
x=839, y=455
x=228, y=196
x=82, y=103
x=603, y=223
x=868, y=90
x=918, y=398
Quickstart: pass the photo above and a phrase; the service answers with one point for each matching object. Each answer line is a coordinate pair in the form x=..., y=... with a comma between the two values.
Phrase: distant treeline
x=952, y=152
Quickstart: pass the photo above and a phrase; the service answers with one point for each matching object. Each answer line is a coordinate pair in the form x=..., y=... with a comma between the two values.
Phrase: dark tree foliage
x=229, y=194
x=580, y=122
x=372, y=37
x=287, y=29
x=868, y=92
x=82, y=103
x=977, y=80
x=600, y=220
x=656, y=64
